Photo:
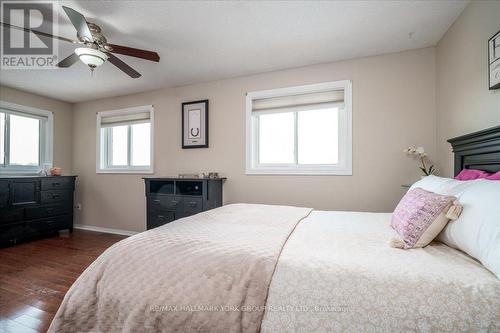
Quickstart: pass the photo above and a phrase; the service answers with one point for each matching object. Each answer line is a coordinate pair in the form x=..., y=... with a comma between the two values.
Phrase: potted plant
x=419, y=152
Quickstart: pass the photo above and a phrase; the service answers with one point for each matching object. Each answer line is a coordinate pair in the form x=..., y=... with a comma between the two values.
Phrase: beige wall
x=62, y=121
x=420, y=97
x=464, y=103
x=393, y=107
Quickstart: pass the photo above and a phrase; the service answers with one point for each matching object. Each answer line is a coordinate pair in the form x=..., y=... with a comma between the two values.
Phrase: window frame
x=103, y=147
x=46, y=138
x=343, y=167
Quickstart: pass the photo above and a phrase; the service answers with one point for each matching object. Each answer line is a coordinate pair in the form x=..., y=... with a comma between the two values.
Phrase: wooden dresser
x=34, y=206
x=169, y=199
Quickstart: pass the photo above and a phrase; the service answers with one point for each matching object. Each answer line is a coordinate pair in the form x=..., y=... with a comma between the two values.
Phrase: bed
x=250, y=268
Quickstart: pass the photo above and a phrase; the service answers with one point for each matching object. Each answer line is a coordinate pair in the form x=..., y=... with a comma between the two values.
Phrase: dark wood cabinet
x=34, y=206
x=169, y=199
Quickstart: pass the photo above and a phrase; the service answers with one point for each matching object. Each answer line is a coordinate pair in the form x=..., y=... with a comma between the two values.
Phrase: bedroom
x=388, y=74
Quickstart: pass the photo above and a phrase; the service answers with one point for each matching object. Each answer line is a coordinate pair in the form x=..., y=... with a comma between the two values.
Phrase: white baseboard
x=105, y=230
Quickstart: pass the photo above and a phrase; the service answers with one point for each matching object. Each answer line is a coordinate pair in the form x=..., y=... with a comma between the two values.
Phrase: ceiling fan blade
x=123, y=66
x=138, y=53
x=38, y=33
x=68, y=61
x=80, y=23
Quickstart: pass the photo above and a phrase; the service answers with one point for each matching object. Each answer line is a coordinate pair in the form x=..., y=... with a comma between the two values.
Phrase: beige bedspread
x=337, y=273
x=205, y=273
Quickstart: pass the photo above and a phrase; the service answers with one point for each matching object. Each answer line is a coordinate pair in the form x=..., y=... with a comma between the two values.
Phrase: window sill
x=126, y=171
x=20, y=172
x=299, y=172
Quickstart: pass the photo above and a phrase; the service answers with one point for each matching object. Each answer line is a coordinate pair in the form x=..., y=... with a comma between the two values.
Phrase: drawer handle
x=50, y=210
x=175, y=202
x=157, y=200
x=56, y=184
x=55, y=196
x=193, y=204
x=51, y=222
x=160, y=217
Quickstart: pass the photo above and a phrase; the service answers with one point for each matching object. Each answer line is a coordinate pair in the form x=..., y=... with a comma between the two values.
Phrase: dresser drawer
x=48, y=211
x=48, y=224
x=4, y=186
x=192, y=205
x=157, y=218
x=55, y=183
x=9, y=215
x=55, y=196
x=165, y=202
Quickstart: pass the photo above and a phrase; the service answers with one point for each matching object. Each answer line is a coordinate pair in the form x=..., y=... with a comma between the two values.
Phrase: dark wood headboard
x=478, y=150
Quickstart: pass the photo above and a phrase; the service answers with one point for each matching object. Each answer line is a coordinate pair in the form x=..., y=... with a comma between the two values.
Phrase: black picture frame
x=493, y=45
x=188, y=143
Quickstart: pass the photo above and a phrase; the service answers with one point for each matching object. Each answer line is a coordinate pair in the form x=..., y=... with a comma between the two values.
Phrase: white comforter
x=337, y=273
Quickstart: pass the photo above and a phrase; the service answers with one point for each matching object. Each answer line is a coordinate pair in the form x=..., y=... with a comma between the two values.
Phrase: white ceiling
x=204, y=41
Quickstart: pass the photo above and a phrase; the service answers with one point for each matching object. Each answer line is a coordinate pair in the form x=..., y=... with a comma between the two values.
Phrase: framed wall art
x=494, y=61
x=195, y=124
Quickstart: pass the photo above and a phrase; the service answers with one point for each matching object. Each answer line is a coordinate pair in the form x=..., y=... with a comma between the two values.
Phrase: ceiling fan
x=95, y=49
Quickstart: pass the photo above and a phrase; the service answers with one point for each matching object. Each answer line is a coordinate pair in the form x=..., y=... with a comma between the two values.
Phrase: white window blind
x=292, y=102
x=125, y=119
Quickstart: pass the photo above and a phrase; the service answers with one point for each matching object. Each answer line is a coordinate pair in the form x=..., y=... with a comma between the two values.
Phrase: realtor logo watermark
x=28, y=50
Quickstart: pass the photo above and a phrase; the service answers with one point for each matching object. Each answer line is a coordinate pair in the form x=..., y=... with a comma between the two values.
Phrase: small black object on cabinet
x=169, y=199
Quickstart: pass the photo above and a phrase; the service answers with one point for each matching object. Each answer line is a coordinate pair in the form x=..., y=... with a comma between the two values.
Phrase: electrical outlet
x=78, y=206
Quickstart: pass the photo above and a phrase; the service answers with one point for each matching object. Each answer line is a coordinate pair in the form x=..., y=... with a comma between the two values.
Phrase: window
x=125, y=140
x=25, y=139
x=300, y=130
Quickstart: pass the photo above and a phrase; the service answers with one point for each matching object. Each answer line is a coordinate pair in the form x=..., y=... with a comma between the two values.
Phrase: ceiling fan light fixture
x=91, y=57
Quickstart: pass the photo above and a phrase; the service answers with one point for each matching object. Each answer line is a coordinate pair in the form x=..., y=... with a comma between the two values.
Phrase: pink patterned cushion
x=419, y=217
x=471, y=174
x=494, y=176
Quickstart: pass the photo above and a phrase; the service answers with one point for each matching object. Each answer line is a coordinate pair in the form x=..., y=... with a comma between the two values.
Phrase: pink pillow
x=494, y=176
x=420, y=216
x=471, y=174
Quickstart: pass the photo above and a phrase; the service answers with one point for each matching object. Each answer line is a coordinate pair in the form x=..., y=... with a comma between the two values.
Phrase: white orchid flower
x=420, y=150
x=421, y=154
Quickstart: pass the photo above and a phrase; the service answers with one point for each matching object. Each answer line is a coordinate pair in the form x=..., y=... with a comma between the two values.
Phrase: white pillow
x=477, y=230
x=443, y=186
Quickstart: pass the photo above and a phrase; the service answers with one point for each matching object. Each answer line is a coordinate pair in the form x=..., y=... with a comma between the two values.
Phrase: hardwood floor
x=35, y=276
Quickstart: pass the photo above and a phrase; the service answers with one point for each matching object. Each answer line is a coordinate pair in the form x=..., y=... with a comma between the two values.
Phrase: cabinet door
x=24, y=192
x=4, y=193
x=10, y=234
